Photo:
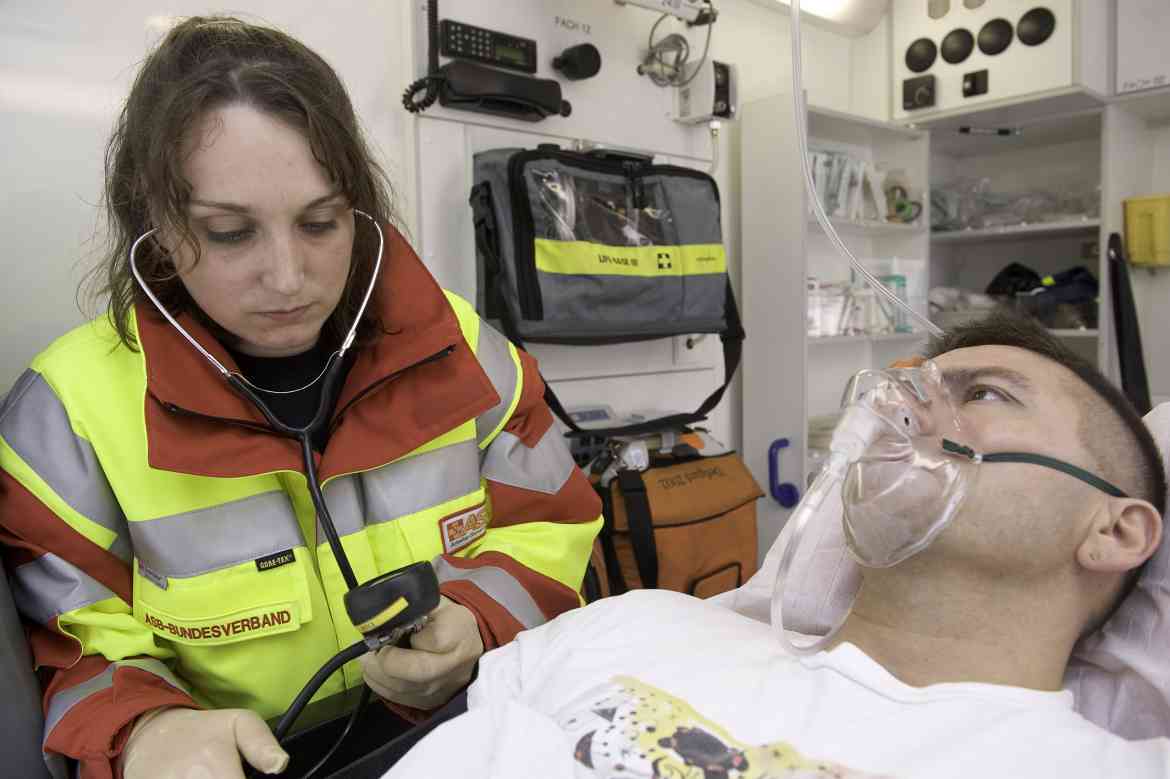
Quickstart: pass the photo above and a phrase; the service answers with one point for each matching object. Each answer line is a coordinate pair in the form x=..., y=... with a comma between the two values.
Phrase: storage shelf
x=1076, y=127
x=1018, y=232
x=872, y=227
x=1061, y=116
x=860, y=339
x=1153, y=105
x=831, y=124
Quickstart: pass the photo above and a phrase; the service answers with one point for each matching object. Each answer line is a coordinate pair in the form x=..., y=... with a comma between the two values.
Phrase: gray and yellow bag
x=597, y=248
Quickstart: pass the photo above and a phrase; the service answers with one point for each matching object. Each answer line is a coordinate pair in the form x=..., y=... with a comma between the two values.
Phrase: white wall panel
x=65, y=67
x=64, y=70
x=1019, y=70
x=616, y=108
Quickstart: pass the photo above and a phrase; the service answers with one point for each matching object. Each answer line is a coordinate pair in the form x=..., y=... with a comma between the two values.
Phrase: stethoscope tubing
x=302, y=435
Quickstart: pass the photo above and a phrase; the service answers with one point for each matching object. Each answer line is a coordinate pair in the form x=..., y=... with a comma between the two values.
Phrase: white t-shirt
x=658, y=684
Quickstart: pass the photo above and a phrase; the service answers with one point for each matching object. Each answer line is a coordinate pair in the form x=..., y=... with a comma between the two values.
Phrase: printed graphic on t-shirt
x=627, y=729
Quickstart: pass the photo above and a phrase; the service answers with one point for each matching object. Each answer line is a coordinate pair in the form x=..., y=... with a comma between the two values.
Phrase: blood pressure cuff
x=585, y=249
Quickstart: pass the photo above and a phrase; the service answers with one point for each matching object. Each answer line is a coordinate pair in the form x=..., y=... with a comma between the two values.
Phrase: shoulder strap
x=487, y=240
x=732, y=339
x=641, y=528
x=613, y=569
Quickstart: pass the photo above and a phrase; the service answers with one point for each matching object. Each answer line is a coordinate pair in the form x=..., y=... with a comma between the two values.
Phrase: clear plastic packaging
x=975, y=203
x=599, y=211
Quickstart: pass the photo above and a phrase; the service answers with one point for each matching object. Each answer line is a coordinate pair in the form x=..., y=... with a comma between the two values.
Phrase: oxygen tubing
x=800, y=109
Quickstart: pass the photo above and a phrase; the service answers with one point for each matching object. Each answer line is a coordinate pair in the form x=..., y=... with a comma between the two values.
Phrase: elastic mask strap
x=1034, y=459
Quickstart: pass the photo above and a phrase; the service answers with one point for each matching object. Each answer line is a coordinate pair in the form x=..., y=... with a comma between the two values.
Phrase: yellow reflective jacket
x=163, y=544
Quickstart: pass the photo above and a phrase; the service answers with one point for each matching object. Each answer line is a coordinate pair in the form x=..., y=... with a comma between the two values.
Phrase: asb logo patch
x=460, y=530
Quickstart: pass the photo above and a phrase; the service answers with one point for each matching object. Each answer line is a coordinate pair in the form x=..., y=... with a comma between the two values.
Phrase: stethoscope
x=383, y=609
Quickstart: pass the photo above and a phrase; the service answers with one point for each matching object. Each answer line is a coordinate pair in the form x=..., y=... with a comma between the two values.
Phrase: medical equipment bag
x=599, y=248
x=685, y=524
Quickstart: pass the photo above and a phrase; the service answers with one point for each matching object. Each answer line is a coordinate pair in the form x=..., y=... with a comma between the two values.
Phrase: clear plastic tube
x=801, y=111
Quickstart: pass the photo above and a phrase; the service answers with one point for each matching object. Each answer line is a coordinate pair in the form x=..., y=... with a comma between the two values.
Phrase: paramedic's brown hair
x=202, y=64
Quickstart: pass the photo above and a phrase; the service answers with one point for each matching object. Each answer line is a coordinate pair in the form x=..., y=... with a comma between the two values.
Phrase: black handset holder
x=471, y=87
x=388, y=607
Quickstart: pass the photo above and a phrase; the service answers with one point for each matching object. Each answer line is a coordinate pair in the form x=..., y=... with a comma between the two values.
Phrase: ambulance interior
x=918, y=165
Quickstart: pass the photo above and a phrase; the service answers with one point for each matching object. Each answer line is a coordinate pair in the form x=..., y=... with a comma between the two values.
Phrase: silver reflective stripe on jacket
x=49, y=587
x=497, y=584
x=494, y=353
x=66, y=699
x=36, y=425
x=402, y=487
x=197, y=542
x=543, y=468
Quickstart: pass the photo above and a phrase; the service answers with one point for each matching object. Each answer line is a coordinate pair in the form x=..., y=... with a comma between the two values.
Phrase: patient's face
x=1018, y=519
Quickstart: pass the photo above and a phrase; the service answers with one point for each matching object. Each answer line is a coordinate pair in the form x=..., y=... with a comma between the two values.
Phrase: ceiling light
x=853, y=17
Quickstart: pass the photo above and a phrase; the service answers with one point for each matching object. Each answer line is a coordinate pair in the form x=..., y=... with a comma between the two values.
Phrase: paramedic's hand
x=179, y=743
x=440, y=661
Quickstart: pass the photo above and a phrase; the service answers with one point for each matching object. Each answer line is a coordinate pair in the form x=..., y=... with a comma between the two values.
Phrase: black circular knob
x=920, y=55
x=958, y=45
x=1036, y=26
x=995, y=36
x=579, y=62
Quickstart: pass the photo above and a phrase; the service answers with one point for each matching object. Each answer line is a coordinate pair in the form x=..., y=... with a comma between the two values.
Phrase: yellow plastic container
x=1147, y=229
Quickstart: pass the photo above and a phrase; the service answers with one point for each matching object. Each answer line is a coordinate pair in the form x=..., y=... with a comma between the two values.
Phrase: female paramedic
x=159, y=523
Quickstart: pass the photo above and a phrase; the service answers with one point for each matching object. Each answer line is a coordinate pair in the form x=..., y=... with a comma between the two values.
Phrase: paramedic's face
x=275, y=238
x=1018, y=518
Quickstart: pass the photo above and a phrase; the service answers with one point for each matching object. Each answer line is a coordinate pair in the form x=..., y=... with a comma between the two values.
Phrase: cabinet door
x=774, y=360
x=1143, y=61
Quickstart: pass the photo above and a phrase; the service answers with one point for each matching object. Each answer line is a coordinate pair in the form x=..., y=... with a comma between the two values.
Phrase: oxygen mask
x=902, y=486
x=902, y=462
x=899, y=486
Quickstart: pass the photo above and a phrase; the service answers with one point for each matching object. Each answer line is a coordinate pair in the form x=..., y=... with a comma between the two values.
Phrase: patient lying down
x=949, y=665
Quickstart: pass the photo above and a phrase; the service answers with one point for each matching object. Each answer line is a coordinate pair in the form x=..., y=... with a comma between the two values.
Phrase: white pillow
x=1120, y=675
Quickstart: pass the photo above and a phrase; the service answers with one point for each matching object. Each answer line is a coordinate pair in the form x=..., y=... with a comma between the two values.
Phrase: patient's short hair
x=1120, y=444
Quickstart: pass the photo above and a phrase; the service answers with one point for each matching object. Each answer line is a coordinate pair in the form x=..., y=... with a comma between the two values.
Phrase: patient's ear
x=1124, y=533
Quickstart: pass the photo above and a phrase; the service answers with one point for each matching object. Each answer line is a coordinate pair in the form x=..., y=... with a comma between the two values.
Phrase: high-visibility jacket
x=162, y=541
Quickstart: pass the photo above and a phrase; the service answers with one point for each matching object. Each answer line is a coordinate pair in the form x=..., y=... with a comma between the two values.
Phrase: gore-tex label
x=275, y=560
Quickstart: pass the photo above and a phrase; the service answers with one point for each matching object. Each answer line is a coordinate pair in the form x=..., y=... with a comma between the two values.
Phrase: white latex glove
x=440, y=661
x=179, y=743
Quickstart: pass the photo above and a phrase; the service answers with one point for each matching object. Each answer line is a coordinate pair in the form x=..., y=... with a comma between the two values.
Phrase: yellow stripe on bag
x=582, y=258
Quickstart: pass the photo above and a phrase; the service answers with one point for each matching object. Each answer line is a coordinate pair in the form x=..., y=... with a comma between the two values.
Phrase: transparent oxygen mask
x=898, y=486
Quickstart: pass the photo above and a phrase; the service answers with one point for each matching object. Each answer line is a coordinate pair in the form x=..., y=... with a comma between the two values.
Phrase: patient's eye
x=983, y=392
